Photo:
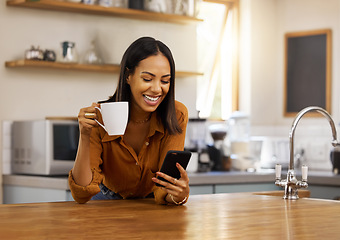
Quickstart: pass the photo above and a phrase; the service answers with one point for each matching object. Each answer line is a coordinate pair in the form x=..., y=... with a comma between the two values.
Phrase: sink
x=302, y=193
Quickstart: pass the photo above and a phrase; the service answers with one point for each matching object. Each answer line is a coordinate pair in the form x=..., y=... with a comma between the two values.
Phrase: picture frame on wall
x=308, y=61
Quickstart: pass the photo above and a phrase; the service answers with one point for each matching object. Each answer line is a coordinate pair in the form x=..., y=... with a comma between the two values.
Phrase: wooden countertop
x=217, y=216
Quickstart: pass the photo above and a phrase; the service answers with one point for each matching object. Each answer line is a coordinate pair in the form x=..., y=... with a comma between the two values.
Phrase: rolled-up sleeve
x=82, y=194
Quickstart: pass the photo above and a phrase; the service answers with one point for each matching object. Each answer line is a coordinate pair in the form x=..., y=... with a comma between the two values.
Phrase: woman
x=126, y=166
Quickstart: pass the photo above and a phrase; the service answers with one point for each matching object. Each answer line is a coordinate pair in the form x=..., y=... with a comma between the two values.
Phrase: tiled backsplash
x=313, y=143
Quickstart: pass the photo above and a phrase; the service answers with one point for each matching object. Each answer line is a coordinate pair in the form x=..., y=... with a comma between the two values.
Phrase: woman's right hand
x=87, y=123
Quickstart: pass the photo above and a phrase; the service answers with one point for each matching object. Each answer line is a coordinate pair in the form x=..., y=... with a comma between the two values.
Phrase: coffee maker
x=195, y=142
x=335, y=159
x=245, y=151
x=218, y=151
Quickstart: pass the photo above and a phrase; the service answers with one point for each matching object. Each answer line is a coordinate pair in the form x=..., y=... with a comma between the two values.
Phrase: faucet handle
x=304, y=170
x=278, y=171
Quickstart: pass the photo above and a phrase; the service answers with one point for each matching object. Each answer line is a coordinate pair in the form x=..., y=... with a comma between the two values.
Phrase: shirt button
x=147, y=143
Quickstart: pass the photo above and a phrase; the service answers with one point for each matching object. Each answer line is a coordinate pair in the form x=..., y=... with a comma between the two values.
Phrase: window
x=217, y=92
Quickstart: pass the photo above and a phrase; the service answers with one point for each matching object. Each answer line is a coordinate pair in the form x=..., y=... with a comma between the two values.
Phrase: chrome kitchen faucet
x=291, y=184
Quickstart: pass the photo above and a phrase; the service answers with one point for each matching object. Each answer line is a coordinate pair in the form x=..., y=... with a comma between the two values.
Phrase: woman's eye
x=146, y=79
x=165, y=81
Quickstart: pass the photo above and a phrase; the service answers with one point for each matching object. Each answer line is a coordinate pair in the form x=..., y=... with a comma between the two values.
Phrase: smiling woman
x=126, y=166
x=149, y=84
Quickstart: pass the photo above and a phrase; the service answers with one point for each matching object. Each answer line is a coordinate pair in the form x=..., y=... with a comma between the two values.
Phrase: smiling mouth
x=153, y=99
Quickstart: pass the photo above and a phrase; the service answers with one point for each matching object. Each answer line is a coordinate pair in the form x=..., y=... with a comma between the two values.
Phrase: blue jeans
x=106, y=194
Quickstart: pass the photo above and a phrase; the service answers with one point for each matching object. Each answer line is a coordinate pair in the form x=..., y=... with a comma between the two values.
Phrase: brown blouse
x=116, y=164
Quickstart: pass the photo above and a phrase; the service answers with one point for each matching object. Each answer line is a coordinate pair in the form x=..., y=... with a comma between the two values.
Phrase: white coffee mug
x=115, y=117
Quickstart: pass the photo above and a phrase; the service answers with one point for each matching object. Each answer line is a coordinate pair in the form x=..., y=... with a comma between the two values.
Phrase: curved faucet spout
x=297, y=119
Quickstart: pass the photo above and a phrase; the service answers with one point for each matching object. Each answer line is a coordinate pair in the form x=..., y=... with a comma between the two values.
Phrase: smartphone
x=169, y=165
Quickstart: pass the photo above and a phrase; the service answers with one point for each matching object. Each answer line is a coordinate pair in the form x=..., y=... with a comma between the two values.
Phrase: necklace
x=141, y=121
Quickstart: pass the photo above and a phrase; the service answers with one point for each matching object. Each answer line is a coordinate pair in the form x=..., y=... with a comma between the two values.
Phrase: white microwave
x=44, y=147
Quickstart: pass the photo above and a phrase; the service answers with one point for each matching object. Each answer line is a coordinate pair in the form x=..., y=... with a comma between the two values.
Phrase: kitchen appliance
x=196, y=143
x=335, y=159
x=239, y=137
x=274, y=150
x=218, y=152
x=44, y=147
x=249, y=159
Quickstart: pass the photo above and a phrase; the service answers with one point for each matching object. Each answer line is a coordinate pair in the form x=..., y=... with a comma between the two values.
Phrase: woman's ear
x=128, y=76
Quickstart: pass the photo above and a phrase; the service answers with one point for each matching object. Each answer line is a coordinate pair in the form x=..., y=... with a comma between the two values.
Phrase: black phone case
x=169, y=164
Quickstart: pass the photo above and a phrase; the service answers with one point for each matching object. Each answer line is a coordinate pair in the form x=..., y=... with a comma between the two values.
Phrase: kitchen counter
x=232, y=177
x=59, y=182
x=212, y=216
x=26, y=189
x=314, y=177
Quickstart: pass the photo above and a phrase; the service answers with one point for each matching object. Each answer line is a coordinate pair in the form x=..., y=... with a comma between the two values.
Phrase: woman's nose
x=156, y=86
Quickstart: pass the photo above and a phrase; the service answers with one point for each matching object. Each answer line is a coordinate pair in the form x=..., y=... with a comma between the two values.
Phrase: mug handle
x=98, y=121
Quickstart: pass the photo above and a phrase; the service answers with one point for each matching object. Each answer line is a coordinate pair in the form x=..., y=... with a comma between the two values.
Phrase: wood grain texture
x=104, y=68
x=217, y=216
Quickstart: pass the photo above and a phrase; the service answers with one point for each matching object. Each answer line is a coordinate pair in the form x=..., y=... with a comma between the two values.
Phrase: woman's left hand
x=178, y=188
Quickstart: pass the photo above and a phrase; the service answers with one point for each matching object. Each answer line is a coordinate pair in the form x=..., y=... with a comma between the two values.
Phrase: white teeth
x=151, y=98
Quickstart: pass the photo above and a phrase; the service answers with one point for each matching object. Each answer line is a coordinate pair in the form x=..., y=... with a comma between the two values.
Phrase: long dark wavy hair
x=136, y=52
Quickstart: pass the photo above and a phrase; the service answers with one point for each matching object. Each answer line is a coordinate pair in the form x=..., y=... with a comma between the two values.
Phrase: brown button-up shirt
x=116, y=164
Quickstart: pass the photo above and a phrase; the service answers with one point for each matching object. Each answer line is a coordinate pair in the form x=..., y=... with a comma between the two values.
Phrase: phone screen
x=169, y=165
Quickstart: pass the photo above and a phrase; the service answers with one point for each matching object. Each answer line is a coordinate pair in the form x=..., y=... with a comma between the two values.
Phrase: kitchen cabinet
x=24, y=188
x=321, y=184
x=27, y=189
x=316, y=191
x=232, y=188
x=324, y=192
x=21, y=194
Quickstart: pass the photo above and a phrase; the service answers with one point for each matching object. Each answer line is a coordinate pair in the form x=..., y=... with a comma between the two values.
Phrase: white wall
x=36, y=93
x=262, y=77
x=263, y=26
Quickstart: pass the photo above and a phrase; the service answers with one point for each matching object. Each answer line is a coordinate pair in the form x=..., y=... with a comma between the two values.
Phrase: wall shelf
x=105, y=68
x=55, y=5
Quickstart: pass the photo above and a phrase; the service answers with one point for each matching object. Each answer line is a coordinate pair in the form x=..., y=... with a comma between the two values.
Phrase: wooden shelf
x=56, y=5
x=105, y=68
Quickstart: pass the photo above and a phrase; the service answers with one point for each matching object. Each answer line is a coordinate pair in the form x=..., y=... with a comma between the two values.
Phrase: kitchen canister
x=161, y=6
x=69, y=52
x=136, y=4
x=90, y=2
x=335, y=159
x=113, y=3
